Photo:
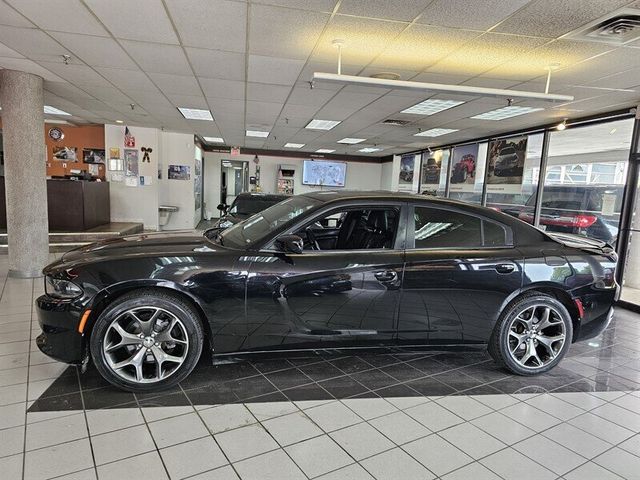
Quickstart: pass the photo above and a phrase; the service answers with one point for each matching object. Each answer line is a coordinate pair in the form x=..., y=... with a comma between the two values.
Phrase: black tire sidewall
x=503, y=332
x=173, y=304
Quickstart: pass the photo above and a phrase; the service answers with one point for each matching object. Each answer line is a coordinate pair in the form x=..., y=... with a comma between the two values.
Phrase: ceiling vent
x=396, y=122
x=617, y=28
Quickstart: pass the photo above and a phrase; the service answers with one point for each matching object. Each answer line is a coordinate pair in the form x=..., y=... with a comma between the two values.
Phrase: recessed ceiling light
x=324, y=150
x=196, y=114
x=505, y=112
x=351, y=141
x=257, y=133
x=294, y=145
x=214, y=139
x=119, y=121
x=429, y=107
x=316, y=124
x=54, y=111
x=369, y=149
x=436, y=132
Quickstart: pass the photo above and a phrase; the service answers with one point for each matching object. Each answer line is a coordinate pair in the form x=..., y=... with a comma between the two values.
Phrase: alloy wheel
x=145, y=344
x=536, y=336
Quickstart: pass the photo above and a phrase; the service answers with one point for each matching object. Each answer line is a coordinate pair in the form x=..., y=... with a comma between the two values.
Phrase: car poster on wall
x=433, y=171
x=463, y=168
x=407, y=179
x=506, y=164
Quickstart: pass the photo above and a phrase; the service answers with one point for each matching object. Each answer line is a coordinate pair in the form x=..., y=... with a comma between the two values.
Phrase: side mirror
x=289, y=244
x=223, y=207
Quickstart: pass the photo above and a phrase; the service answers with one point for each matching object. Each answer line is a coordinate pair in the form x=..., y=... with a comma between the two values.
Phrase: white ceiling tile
x=127, y=79
x=261, y=92
x=95, y=51
x=305, y=95
x=299, y=111
x=297, y=40
x=313, y=5
x=60, y=15
x=217, y=64
x=218, y=88
x=405, y=10
x=8, y=52
x=279, y=71
x=220, y=24
x=9, y=16
x=29, y=66
x=550, y=18
x=79, y=75
x=188, y=101
x=469, y=14
x=144, y=20
x=223, y=105
x=179, y=84
x=32, y=43
x=158, y=58
x=66, y=90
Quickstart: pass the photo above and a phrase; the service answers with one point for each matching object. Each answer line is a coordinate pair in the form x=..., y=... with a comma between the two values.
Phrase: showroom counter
x=73, y=205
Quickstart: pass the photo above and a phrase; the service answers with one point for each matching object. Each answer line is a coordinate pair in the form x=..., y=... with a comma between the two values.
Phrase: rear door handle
x=505, y=267
x=385, y=276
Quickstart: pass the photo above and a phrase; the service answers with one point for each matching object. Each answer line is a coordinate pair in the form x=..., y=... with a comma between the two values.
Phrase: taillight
x=584, y=221
x=576, y=221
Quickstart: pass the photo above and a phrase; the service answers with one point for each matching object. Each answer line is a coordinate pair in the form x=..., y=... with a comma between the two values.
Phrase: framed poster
x=131, y=163
x=65, y=154
x=506, y=164
x=179, y=172
x=463, y=168
x=93, y=155
x=432, y=171
x=407, y=179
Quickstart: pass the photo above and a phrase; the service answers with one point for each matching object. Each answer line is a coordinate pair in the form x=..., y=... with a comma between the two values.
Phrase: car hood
x=146, y=244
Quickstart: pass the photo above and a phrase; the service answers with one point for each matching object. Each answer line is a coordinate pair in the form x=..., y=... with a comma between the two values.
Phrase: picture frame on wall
x=116, y=164
x=65, y=154
x=93, y=155
x=179, y=172
x=131, y=163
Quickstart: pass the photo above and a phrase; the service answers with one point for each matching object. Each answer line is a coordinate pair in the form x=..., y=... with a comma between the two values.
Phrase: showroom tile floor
x=396, y=414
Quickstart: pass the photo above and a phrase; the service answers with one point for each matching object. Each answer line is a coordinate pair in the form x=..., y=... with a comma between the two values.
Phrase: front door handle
x=505, y=267
x=386, y=276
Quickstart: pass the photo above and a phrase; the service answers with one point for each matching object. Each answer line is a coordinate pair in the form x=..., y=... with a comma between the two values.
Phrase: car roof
x=266, y=196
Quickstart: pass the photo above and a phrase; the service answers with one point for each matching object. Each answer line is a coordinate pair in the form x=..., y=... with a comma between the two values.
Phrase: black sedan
x=327, y=270
x=245, y=205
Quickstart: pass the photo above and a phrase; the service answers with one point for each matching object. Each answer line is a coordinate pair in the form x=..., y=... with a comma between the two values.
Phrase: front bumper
x=60, y=338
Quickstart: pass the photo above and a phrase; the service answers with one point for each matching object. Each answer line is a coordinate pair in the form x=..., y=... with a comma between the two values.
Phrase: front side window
x=436, y=228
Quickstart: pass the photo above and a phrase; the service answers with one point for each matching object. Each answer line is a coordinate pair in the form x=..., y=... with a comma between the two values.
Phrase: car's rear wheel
x=146, y=340
x=532, y=335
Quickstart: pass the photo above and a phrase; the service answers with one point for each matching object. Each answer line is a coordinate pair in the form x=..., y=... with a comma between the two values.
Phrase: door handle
x=386, y=276
x=505, y=267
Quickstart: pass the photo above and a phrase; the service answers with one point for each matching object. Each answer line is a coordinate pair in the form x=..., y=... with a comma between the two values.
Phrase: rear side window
x=436, y=228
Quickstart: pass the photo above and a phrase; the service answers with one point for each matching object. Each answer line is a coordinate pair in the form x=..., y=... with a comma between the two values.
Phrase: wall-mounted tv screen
x=324, y=173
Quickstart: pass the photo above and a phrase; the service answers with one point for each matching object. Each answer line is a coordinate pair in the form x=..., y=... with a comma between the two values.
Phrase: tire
x=527, y=345
x=140, y=328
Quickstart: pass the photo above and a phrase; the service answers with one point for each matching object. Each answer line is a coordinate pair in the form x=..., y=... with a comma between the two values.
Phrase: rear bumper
x=598, y=312
x=60, y=338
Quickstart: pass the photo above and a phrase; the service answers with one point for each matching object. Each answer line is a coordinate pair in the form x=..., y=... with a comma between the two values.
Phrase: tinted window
x=251, y=205
x=435, y=228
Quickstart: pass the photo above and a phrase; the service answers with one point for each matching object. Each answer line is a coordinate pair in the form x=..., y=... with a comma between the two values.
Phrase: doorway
x=234, y=180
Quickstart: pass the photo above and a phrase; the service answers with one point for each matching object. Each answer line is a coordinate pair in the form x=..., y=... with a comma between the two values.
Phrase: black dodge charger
x=327, y=270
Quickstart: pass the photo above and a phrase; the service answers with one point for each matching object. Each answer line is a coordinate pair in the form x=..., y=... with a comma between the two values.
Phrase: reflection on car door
x=456, y=278
x=323, y=299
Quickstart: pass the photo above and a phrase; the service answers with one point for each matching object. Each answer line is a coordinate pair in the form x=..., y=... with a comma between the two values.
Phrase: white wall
x=386, y=181
x=360, y=175
x=135, y=204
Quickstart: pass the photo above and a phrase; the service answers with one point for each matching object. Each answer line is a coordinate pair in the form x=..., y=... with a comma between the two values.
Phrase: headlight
x=59, y=288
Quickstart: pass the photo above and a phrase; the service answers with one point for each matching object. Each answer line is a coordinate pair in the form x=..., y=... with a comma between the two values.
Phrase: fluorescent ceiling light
x=294, y=145
x=435, y=87
x=505, y=112
x=316, y=124
x=257, y=133
x=369, y=149
x=196, y=114
x=214, y=139
x=429, y=107
x=324, y=150
x=435, y=132
x=351, y=141
x=54, y=111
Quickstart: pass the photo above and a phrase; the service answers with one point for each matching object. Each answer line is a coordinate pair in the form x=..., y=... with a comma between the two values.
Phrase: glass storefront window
x=514, y=191
x=584, y=180
x=467, y=172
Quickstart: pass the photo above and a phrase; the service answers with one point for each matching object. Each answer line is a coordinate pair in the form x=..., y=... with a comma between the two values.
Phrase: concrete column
x=22, y=101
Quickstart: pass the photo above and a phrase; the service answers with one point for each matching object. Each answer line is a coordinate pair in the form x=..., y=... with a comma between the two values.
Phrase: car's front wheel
x=532, y=335
x=146, y=340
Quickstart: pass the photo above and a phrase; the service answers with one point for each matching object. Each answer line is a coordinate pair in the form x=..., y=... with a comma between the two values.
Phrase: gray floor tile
x=396, y=464
x=552, y=455
x=632, y=445
x=332, y=416
x=58, y=460
x=227, y=417
x=88, y=474
x=591, y=471
x=292, y=428
x=222, y=473
x=510, y=464
x=530, y=416
x=103, y=421
x=274, y=465
x=577, y=440
x=399, y=427
x=120, y=444
x=147, y=465
x=193, y=457
x=368, y=408
x=433, y=416
x=472, y=440
x=11, y=441
x=266, y=410
x=497, y=402
x=12, y=415
x=361, y=441
x=245, y=442
x=318, y=456
x=582, y=400
x=620, y=462
x=350, y=472
x=601, y=428
x=619, y=415
x=464, y=406
x=153, y=414
x=503, y=428
x=555, y=406
x=11, y=467
x=475, y=471
x=177, y=430
x=57, y=430
x=438, y=455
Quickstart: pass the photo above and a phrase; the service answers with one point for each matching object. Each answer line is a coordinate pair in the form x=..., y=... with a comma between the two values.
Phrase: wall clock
x=56, y=134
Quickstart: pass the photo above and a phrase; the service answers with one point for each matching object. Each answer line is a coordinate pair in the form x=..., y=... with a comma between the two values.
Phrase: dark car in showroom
x=245, y=205
x=587, y=210
x=327, y=270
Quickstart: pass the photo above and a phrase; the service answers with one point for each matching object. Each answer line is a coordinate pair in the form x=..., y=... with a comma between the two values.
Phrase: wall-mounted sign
x=463, y=168
x=407, y=179
x=145, y=154
x=56, y=134
x=114, y=152
x=506, y=164
x=131, y=163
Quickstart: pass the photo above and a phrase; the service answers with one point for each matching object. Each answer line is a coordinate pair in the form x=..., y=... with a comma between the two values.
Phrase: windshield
x=248, y=205
x=259, y=225
x=507, y=151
